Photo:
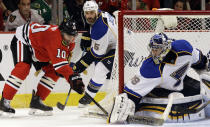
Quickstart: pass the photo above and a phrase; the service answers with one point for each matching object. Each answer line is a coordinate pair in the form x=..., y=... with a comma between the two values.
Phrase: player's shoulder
x=54, y=28
x=16, y=12
x=149, y=69
x=34, y=11
x=99, y=28
x=182, y=46
x=54, y=32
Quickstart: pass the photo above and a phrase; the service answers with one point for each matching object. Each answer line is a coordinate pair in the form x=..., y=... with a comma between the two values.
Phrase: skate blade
x=37, y=112
x=82, y=106
x=7, y=114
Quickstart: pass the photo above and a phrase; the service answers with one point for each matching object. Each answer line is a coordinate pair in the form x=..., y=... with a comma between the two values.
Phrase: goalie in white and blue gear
x=103, y=30
x=164, y=72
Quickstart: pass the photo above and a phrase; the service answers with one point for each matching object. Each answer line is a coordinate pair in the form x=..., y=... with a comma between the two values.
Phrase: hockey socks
x=44, y=87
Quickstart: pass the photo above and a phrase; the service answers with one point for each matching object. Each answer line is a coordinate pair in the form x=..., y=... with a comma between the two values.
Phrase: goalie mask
x=159, y=47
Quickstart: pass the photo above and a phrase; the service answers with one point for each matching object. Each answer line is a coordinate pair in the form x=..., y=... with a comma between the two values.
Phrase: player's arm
x=85, y=42
x=58, y=57
x=201, y=62
x=11, y=23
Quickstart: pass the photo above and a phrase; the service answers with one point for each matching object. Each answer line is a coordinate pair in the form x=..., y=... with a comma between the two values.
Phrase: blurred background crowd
x=14, y=13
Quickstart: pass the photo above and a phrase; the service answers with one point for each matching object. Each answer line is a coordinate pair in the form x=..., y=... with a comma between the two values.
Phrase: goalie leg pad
x=122, y=108
x=154, y=107
x=205, y=91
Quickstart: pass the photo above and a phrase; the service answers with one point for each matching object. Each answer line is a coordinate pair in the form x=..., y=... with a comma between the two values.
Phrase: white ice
x=73, y=116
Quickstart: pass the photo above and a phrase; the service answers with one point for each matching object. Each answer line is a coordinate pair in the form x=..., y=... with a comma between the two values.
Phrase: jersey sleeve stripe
x=129, y=91
x=60, y=64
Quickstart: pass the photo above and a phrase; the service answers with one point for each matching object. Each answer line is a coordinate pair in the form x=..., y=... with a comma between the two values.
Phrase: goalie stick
x=138, y=119
x=61, y=106
x=135, y=119
x=188, y=111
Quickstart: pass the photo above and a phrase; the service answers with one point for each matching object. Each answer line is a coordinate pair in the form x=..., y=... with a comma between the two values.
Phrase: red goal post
x=136, y=27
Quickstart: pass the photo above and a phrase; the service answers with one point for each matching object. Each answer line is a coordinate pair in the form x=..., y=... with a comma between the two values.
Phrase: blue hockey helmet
x=159, y=46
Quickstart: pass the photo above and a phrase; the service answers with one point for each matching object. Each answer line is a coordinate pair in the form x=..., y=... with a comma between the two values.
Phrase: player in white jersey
x=103, y=30
x=22, y=16
x=163, y=72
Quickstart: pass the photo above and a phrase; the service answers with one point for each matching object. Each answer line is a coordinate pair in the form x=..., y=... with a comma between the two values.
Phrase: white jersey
x=103, y=34
x=16, y=19
x=169, y=74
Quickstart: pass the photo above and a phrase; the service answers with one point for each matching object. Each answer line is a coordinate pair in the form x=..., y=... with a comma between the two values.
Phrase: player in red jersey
x=49, y=45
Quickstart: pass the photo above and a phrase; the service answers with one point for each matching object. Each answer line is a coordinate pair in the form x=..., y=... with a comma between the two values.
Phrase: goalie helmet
x=69, y=27
x=159, y=47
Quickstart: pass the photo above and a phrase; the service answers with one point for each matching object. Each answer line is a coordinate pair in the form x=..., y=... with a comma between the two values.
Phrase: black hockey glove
x=79, y=67
x=85, y=42
x=76, y=83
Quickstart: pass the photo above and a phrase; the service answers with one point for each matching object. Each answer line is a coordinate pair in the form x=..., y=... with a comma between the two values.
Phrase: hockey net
x=135, y=28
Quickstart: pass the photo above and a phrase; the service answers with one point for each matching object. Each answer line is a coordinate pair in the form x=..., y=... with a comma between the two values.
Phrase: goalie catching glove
x=76, y=83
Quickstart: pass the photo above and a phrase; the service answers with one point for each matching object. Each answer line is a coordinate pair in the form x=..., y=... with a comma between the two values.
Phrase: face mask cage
x=159, y=42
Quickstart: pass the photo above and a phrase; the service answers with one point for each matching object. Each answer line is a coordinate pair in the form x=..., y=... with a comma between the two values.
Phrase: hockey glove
x=85, y=42
x=79, y=67
x=76, y=83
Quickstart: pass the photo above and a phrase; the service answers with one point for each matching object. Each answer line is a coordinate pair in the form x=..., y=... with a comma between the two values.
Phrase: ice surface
x=73, y=116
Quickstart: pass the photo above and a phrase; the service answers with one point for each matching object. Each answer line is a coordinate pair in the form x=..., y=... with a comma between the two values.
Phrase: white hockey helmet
x=90, y=6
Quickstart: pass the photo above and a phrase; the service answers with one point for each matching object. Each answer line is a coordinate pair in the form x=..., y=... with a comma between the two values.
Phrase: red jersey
x=104, y=5
x=152, y=4
x=46, y=45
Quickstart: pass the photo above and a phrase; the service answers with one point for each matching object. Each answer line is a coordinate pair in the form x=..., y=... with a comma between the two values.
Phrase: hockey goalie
x=162, y=73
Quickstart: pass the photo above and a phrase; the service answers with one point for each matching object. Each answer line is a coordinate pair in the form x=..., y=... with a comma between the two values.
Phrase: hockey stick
x=139, y=119
x=187, y=111
x=135, y=119
x=99, y=106
x=61, y=106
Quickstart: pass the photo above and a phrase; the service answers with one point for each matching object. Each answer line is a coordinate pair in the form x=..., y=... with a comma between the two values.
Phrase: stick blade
x=145, y=120
x=60, y=106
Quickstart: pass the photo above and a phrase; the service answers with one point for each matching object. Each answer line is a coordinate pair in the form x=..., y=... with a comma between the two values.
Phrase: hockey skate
x=5, y=108
x=84, y=101
x=38, y=108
